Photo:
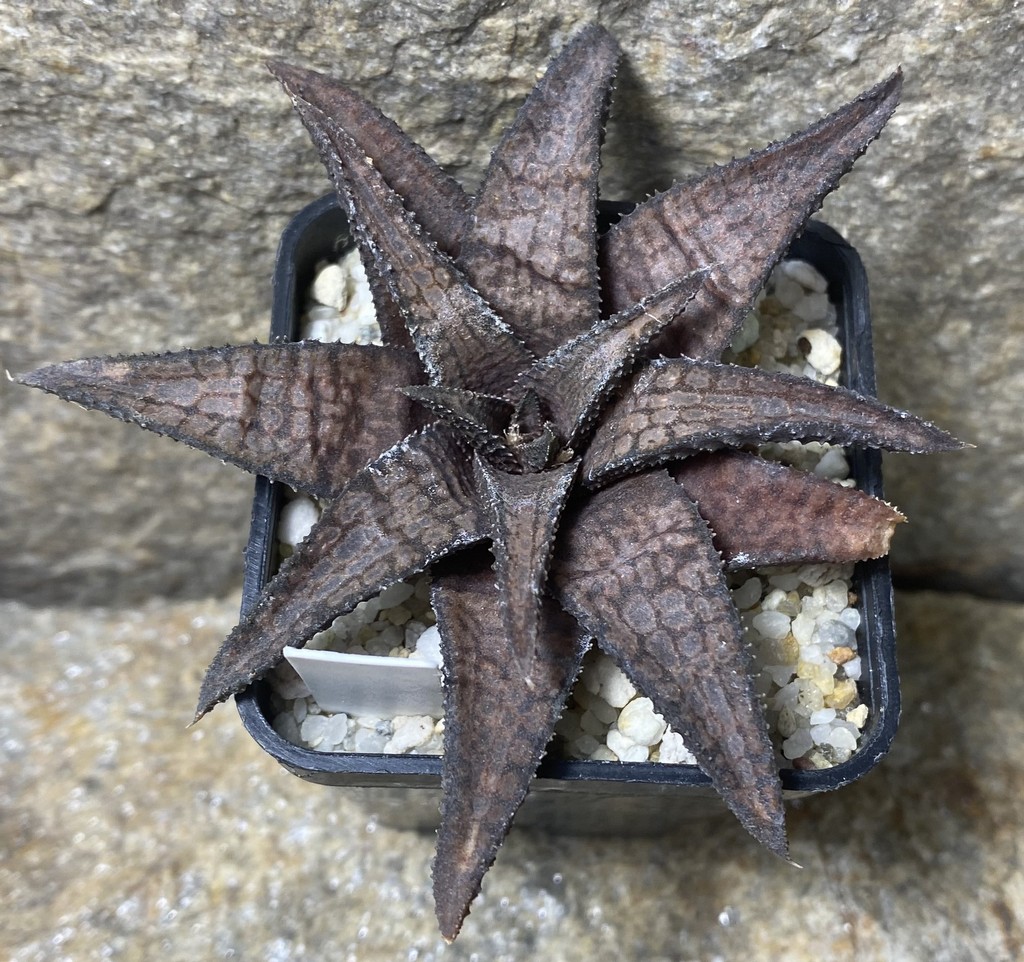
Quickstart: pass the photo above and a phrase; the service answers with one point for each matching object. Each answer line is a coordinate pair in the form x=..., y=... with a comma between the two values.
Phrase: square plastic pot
x=569, y=795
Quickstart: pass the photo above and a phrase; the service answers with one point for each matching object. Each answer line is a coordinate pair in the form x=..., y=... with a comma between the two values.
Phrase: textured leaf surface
x=524, y=510
x=292, y=412
x=739, y=218
x=411, y=506
x=762, y=513
x=480, y=418
x=436, y=200
x=577, y=379
x=637, y=569
x=498, y=719
x=531, y=245
x=460, y=340
x=676, y=405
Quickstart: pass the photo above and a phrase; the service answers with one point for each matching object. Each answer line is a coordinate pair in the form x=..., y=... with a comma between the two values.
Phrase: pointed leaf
x=460, y=340
x=577, y=379
x=436, y=200
x=411, y=506
x=762, y=513
x=740, y=217
x=308, y=414
x=480, y=418
x=524, y=511
x=498, y=721
x=637, y=569
x=676, y=405
x=530, y=249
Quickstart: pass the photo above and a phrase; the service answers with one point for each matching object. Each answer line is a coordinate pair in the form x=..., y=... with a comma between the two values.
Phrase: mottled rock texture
x=149, y=162
x=124, y=837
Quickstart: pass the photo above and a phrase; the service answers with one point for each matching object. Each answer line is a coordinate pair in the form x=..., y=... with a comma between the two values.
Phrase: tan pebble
x=821, y=675
x=640, y=723
x=398, y=615
x=858, y=716
x=787, y=649
x=844, y=693
x=331, y=287
x=821, y=348
x=817, y=760
x=841, y=654
x=787, y=722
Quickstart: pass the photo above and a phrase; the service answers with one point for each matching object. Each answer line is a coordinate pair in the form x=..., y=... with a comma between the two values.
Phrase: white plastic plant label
x=369, y=684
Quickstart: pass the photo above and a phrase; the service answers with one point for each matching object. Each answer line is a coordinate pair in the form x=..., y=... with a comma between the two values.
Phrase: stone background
x=149, y=163
x=147, y=166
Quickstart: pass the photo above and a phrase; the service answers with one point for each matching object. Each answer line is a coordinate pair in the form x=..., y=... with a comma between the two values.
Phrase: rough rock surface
x=149, y=162
x=125, y=837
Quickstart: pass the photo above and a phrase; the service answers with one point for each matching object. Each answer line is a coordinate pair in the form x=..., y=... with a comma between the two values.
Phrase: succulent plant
x=545, y=394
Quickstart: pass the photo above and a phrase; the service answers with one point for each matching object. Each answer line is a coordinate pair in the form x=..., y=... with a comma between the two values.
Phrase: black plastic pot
x=584, y=796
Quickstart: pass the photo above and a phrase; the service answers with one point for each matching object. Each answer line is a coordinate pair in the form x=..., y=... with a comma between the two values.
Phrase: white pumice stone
x=799, y=743
x=833, y=464
x=604, y=668
x=617, y=689
x=593, y=725
x=396, y=594
x=318, y=313
x=673, y=750
x=748, y=594
x=626, y=750
x=788, y=292
x=850, y=617
x=585, y=745
x=604, y=754
x=313, y=728
x=602, y=711
x=811, y=309
x=330, y=287
x=590, y=680
x=335, y=729
x=748, y=333
x=319, y=330
x=428, y=646
x=823, y=351
x=842, y=739
x=772, y=624
x=640, y=723
x=806, y=275
x=297, y=519
x=835, y=595
x=411, y=731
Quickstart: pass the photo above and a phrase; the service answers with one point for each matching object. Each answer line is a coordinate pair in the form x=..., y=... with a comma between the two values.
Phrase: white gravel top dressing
x=801, y=622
